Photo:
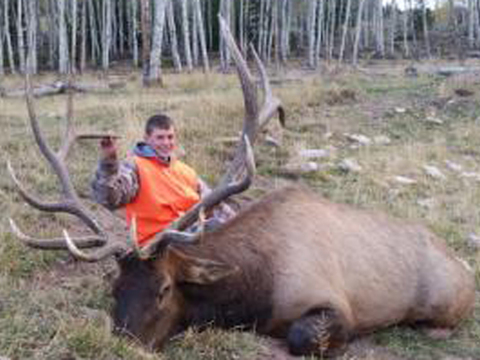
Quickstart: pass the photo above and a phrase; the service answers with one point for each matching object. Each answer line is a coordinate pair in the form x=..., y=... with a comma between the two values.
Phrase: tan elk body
x=292, y=265
x=295, y=253
x=375, y=270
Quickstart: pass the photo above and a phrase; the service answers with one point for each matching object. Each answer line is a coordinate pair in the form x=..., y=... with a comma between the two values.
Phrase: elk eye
x=164, y=290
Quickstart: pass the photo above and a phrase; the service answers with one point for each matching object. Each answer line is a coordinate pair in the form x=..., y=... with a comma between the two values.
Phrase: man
x=153, y=186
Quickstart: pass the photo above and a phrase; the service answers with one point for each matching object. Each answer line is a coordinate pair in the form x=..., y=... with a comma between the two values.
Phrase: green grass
x=52, y=307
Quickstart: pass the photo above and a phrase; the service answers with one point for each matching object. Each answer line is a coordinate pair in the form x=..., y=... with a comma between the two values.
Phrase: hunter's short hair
x=158, y=121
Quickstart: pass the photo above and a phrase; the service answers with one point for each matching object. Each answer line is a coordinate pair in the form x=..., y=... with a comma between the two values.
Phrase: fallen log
x=60, y=87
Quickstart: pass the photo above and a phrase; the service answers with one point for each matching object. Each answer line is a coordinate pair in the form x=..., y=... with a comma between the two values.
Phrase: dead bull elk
x=292, y=265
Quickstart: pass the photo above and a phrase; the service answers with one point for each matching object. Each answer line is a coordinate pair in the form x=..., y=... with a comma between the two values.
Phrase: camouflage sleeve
x=115, y=183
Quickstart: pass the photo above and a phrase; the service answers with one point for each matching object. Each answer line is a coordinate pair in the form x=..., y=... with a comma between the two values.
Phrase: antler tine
x=55, y=243
x=71, y=134
x=30, y=199
x=113, y=248
x=271, y=103
x=242, y=168
x=247, y=82
x=69, y=129
x=72, y=203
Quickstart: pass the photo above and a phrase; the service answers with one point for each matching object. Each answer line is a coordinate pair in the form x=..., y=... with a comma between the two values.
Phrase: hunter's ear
x=199, y=271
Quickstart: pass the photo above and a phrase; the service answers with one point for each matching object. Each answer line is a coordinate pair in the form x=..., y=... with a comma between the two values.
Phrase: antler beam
x=70, y=202
x=242, y=168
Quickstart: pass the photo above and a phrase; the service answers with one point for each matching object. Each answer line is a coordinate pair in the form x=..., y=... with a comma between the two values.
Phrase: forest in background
x=73, y=35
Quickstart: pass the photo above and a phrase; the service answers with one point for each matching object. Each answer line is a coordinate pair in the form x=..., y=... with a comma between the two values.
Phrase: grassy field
x=52, y=307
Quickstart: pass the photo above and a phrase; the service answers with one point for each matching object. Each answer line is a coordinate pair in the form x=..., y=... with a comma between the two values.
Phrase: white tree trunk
x=224, y=51
x=62, y=39
x=412, y=25
x=2, y=70
x=366, y=25
x=52, y=14
x=406, y=48
x=288, y=27
x=358, y=28
x=210, y=20
x=379, y=29
x=134, y=31
x=31, y=64
x=146, y=27
x=186, y=35
x=319, y=36
x=471, y=24
x=276, y=34
x=476, y=6
x=271, y=31
x=426, y=38
x=8, y=38
x=312, y=14
x=172, y=34
x=106, y=33
x=332, y=29
x=94, y=46
x=194, y=35
x=113, y=51
x=284, y=28
x=20, y=36
x=241, y=27
x=261, y=27
x=267, y=17
x=201, y=31
x=345, y=30
x=121, y=27
x=157, y=40
x=393, y=28
x=83, y=32
x=73, y=45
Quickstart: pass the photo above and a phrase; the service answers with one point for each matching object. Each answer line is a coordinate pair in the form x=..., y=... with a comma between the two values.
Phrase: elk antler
x=70, y=202
x=242, y=168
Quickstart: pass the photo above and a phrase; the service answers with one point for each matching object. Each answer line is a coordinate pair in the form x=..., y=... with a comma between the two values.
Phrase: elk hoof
x=319, y=332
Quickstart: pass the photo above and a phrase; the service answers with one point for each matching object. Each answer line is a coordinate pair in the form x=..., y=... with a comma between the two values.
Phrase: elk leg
x=320, y=331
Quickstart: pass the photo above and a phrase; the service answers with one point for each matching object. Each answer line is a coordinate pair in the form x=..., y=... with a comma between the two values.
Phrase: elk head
x=148, y=303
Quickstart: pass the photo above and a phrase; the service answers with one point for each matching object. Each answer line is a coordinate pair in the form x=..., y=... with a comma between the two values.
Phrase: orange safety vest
x=166, y=192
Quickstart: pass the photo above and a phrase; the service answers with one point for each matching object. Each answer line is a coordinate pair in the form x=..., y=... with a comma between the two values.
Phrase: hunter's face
x=162, y=140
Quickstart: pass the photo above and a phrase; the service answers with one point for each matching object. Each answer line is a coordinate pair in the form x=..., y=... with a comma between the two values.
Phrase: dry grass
x=52, y=308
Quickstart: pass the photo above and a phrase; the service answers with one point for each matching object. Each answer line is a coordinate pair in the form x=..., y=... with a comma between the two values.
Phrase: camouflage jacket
x=116, y=183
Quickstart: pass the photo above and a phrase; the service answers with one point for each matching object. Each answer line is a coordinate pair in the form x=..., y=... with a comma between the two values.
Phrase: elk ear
x=191, y=269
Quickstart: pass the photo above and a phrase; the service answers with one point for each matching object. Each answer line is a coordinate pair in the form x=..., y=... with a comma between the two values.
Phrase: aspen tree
x=155, y=71
x=172, y=33
x=20, y=36
x=62, y=39
x=186, y=35
x=358, y=27
x=201, y=32
x=8, y=38
x=312, y=14
x=345, y=30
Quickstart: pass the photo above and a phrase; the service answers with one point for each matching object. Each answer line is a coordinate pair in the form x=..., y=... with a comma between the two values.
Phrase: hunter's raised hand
x=108, y=148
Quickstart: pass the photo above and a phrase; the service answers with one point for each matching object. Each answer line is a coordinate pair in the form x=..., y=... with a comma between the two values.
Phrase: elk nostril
x=121, y=327
x=119, y=330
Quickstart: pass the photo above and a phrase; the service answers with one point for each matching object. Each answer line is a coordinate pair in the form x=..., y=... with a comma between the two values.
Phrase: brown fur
x=294, y=253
